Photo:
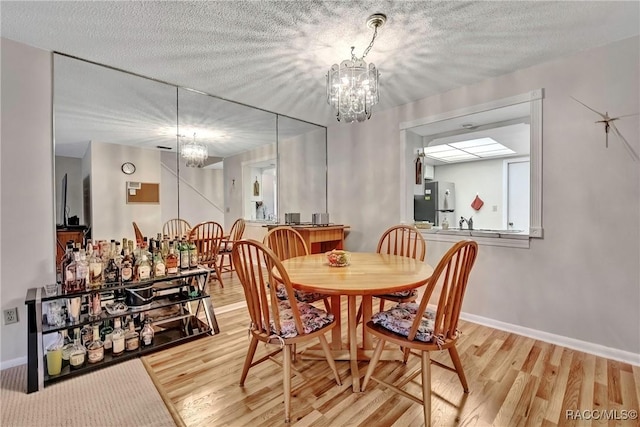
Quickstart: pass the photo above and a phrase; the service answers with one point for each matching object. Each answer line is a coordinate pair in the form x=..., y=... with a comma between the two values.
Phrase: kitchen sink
x=480, y=232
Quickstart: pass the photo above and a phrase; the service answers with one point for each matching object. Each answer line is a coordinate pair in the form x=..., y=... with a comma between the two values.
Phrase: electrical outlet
x=10, y=316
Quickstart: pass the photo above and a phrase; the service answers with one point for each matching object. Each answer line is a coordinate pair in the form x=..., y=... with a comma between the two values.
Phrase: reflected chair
x=207, y=237
x=419, y=330
x=287, y=243
x=176, y=228
x=237, y=230
x=403, y=240
x=277, y=321
x=138, y=234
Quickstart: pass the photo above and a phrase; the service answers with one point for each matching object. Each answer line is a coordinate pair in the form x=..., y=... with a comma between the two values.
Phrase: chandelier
x=352, y=87
x=193, y=153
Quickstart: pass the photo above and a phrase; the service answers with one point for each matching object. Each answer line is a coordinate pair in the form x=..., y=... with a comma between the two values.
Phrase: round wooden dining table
x=366, y=275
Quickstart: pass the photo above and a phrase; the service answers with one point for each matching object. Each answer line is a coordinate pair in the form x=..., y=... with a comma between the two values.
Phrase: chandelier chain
x=366, y=51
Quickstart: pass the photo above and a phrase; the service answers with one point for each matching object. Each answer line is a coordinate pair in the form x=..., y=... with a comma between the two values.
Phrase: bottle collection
x=91, y=343
x=103, y=264
x=97, y=274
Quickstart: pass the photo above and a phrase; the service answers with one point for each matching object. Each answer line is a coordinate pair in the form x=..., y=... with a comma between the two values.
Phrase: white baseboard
x=574, y=344
x=13, y=362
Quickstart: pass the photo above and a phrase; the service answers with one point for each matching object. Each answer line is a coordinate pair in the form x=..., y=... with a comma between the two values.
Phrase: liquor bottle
x=105, y=250
x=193, y=255
x=86, y=335
x=132, y=251
x=184, y=255
x=112, y=250
x=119, y=254
x=106, y=333
x=131, y=338
x=66, y=258
x=112, y=272
x=164, y=249
x=159, y=267
x=146, y=333
x=78, y=352
x=70, y=283
x=96, y=275
x=117, y=338
x=126, y=271
x=145, y=246
x=95, y=304
x=66, y=348
x=172, y=261
x=144, y=267
x=96, y=347
x=82, y=271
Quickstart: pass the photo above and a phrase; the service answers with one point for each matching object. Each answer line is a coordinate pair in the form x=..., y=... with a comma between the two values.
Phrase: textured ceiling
x=274, y=54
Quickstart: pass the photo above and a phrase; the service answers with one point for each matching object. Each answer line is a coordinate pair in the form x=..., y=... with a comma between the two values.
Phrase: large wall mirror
x=120, y=143
x=482, y=162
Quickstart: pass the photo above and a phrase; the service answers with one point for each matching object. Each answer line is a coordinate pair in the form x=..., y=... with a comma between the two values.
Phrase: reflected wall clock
x=128, y=168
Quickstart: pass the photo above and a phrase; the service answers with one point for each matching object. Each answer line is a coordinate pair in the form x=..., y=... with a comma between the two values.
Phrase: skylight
x=467, y=150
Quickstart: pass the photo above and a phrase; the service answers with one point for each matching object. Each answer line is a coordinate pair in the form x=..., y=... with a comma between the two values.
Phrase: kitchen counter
x=491, y=237
x=319, y=238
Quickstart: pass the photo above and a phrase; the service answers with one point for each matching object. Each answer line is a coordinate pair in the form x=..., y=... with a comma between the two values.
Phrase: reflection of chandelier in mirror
x=193, y=153
x=352, y=87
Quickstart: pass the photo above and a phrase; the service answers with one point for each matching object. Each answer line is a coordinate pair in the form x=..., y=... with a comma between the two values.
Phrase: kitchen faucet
x=468, y=221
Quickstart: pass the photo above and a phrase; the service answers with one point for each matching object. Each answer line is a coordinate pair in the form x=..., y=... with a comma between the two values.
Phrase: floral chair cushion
x=303, y=296
x=413, y=293
x=312, y=319
x=400, y=318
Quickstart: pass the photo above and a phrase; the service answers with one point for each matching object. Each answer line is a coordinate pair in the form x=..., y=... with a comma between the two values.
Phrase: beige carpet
x=120, y=395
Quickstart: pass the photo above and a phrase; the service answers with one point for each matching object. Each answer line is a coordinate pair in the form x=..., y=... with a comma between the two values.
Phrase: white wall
x=583, y=279
x=26, y=169
x=269, y=191
x=201, y=195
x=112, y=215
x=169, y=189
x=483, y=178
x=302, y=175
x=73, y=168
x=234, y=182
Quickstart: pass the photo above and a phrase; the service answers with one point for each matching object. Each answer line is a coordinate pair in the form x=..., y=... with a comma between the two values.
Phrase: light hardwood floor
x=513, y=381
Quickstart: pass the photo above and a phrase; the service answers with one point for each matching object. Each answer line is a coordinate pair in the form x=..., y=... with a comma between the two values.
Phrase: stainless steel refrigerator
x=439, y=199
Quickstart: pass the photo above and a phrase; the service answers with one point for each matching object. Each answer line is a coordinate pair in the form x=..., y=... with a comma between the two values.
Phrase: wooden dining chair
x=235, y=234
x=403, y=240
x=287, y=243
x=138, y=234
x=419, y=330
x=176, y=228
x=207, y=237
x=274, y=320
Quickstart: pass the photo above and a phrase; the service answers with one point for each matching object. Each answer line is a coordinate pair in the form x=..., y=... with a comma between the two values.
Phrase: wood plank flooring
x=513, y=381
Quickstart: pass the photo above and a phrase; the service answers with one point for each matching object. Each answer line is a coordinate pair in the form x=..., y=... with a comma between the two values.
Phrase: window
x=469, y=145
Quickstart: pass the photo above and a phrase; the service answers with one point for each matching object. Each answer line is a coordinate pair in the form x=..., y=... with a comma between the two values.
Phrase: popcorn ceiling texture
x=275, y=54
